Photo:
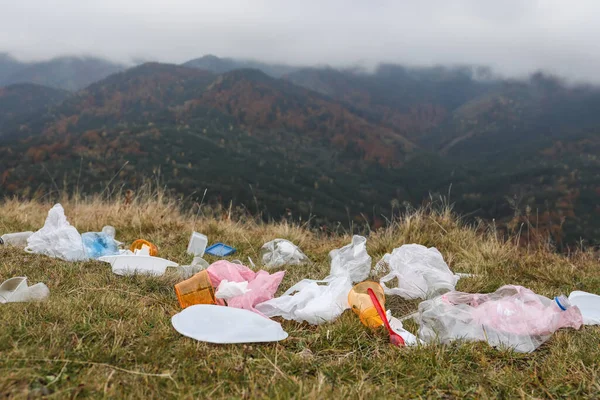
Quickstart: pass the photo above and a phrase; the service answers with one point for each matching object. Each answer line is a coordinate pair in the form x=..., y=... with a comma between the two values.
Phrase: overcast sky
x=512, y=36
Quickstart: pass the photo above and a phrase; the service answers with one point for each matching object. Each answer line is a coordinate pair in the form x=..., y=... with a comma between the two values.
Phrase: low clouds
x=514, y=37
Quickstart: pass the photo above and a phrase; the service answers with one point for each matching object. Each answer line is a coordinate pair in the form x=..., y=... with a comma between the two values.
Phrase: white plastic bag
x=57, y=238
x=421, y=272
x=228, y=290
x=220, y=324
x=280, y=252
x=512, y=317
x=352, y=260
x=315, y=302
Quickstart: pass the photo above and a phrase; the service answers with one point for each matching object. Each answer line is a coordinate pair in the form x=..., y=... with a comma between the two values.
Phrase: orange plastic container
x=196, y=290
x=361, y=303
x=138, y=244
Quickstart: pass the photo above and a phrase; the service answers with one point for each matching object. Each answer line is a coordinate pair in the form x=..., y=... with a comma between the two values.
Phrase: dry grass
x=101, y=335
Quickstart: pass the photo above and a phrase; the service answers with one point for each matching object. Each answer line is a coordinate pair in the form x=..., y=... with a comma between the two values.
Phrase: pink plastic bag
x=512, y=316
x=262, y=285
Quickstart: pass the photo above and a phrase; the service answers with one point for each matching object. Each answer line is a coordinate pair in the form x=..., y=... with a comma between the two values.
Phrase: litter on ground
x=588, y=304
x=220, y=250
x=512, y=317
x=16, y=290
x=222, y=325
x=280, y=252
x=227, y=302
x=351, y=260
x=197, y=244
x=422, y=273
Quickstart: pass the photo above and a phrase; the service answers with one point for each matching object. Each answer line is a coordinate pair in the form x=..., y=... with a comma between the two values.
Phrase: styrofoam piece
x=197, y=244
x=138, y=264
x=221, y=325
x=588, y=304
x=16, y=290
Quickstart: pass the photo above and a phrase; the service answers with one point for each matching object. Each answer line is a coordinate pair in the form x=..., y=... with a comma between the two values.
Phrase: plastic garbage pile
x=511, y=317
x=321, y=301
x=228, y=302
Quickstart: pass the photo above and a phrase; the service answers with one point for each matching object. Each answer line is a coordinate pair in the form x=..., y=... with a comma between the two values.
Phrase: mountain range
x=66, y=73
x=321, y=143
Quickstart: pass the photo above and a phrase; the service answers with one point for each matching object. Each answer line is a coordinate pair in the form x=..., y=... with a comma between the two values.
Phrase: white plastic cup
x=197, y=244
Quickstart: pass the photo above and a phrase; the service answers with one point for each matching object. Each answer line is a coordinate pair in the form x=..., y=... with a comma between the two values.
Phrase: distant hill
x=222, y=65
x=412, y=101
x=67, y=73
x=295, y=148
x=332, y=145
x=21, y=103
x=8, y=66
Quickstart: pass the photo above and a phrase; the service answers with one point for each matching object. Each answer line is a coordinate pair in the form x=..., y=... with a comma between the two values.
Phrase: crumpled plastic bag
x=422, y=273
x=315, y=302
x=352, y=260
x=57, y=238
x=228, y=290
x=280, y=252
x=511, y=317
x=261, y=285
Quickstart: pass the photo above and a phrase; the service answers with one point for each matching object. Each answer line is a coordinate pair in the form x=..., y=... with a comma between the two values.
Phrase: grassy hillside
x=102, y=335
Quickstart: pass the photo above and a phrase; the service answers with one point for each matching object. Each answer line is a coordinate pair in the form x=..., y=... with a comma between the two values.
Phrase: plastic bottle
x=18, y=239
x=98, y=244
x=562, y=302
